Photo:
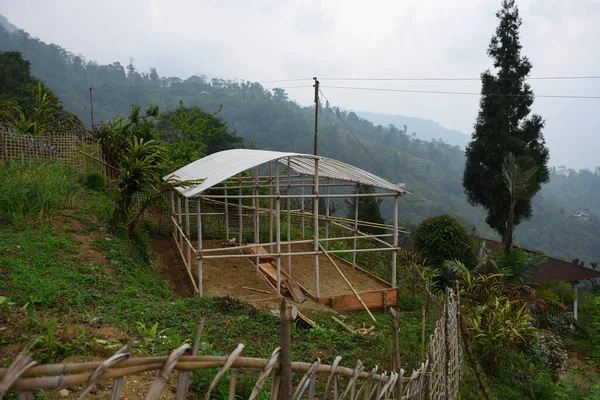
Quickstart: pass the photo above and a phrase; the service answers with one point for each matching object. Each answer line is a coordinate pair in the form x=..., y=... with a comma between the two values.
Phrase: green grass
x=34, y=189
x=59, y=297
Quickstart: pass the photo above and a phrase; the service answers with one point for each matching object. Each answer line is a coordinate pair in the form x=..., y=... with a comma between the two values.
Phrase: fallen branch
x=343, y=325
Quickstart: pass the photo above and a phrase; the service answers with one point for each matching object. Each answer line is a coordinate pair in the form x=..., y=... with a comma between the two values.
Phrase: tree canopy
x=504, y=125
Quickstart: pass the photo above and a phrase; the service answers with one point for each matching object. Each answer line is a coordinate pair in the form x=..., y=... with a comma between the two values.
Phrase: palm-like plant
x=517, y=177
x=45, y=117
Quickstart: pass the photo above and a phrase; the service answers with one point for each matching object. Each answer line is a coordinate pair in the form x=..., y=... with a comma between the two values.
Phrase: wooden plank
x=373, y=299
x=295, y=290
x=270, y=272
x=259, y=251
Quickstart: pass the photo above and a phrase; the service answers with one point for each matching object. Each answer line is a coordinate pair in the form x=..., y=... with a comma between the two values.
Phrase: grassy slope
x=78, y=289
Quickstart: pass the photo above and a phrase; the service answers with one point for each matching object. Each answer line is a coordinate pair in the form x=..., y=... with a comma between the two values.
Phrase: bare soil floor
x=226, y=276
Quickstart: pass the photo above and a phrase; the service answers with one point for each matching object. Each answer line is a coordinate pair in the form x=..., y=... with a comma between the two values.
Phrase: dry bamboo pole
x=327, y=199
x=187, y=269
x=285, y=385
x=356, y=201
x=240, y=220
x=396, y=340
x=298, y=213
x=232, y=384
x=289, y=217
x=302, y=211
x=180, y=222
x=395, y=241
x=226, y=214
x=348, y=283
x=333, y=239
x=306, y=196
x=185, y=377
x=81, y=372
x=173, y=214
x=199, y=252
x=299, y=253
x=271, y=204
x=187, y=230
x=277, y=228
x=230, y=360
x=256, y=221
x=423, y=333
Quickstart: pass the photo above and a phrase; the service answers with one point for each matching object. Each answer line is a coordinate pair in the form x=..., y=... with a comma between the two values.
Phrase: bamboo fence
x=438, y=376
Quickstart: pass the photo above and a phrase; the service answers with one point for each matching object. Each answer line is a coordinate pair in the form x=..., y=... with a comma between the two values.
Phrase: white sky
x=285, y=39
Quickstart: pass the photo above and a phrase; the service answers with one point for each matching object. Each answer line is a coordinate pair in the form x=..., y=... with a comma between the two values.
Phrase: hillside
x=72, y=288
x=423, y=129
x=432, y=169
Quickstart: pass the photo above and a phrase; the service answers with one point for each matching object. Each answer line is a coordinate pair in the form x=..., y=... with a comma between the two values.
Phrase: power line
x=460, y=93
x=464, y=78
x=369, y=154
x=288, y=87
x=359, y=142
x=287, y=80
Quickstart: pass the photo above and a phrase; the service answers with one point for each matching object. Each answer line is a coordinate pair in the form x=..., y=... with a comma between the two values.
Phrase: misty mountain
x=424, y=129
x=10, y=28
x=432, y=169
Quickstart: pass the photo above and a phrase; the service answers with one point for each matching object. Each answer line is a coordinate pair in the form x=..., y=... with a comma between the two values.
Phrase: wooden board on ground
x=270, y=272
x=373, y=299
x=294, y=290
x=259, y=251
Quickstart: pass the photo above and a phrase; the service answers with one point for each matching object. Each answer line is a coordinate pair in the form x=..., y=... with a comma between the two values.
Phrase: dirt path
x=172, y=268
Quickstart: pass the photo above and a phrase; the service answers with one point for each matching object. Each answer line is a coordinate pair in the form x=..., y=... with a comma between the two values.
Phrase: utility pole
x=316, y=86
x=92, y=105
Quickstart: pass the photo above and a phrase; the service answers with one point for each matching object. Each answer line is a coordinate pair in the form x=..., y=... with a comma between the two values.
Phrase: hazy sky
x=266, y=40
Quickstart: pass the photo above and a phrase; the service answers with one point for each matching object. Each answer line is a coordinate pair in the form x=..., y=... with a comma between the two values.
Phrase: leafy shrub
x=443, y=238
x=34, y=189
x=543, y=388
x=94, y=181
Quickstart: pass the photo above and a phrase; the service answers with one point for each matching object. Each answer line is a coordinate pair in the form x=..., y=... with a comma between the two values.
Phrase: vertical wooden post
x=356, y=200
x=289, y=216
x=327, y=216
x=187, y=232
x=316, y=226
x=396, y=341
x=278, y=227
x=226, y=214
x=240, y=220
x=256, y=218
x=285, y=339
x=395, y=241
x=200, y=290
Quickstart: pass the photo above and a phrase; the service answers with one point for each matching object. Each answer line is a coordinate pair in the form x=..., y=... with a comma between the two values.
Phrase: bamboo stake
x=348, y=283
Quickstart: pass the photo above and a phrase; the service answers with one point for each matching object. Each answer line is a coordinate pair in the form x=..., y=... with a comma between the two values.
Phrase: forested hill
x=432, y=169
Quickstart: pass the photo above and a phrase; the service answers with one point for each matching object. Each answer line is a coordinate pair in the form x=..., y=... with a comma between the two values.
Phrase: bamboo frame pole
x=180, y=221
x=278, y=227
x=271, y=204
x=226, y=214
x=199, y=253
x=348, y=283
x=256, y=219
x=395, y=241
x=240, y=220
x=316, y=226
x=289, y=216
x=302, y=210
x=173, y=214
x=327, y=199
x=307, y=196
x=187, y=231
x=355, y=226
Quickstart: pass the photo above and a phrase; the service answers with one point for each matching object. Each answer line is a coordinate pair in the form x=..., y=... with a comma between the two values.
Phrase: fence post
x=396, y=340
x=447, y=344
x=285, y=384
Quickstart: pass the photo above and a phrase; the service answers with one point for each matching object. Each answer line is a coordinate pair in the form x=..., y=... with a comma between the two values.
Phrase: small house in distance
x=553, y=269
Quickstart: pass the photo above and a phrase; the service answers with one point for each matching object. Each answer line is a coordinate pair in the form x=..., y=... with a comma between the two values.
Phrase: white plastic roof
x=220, y=166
